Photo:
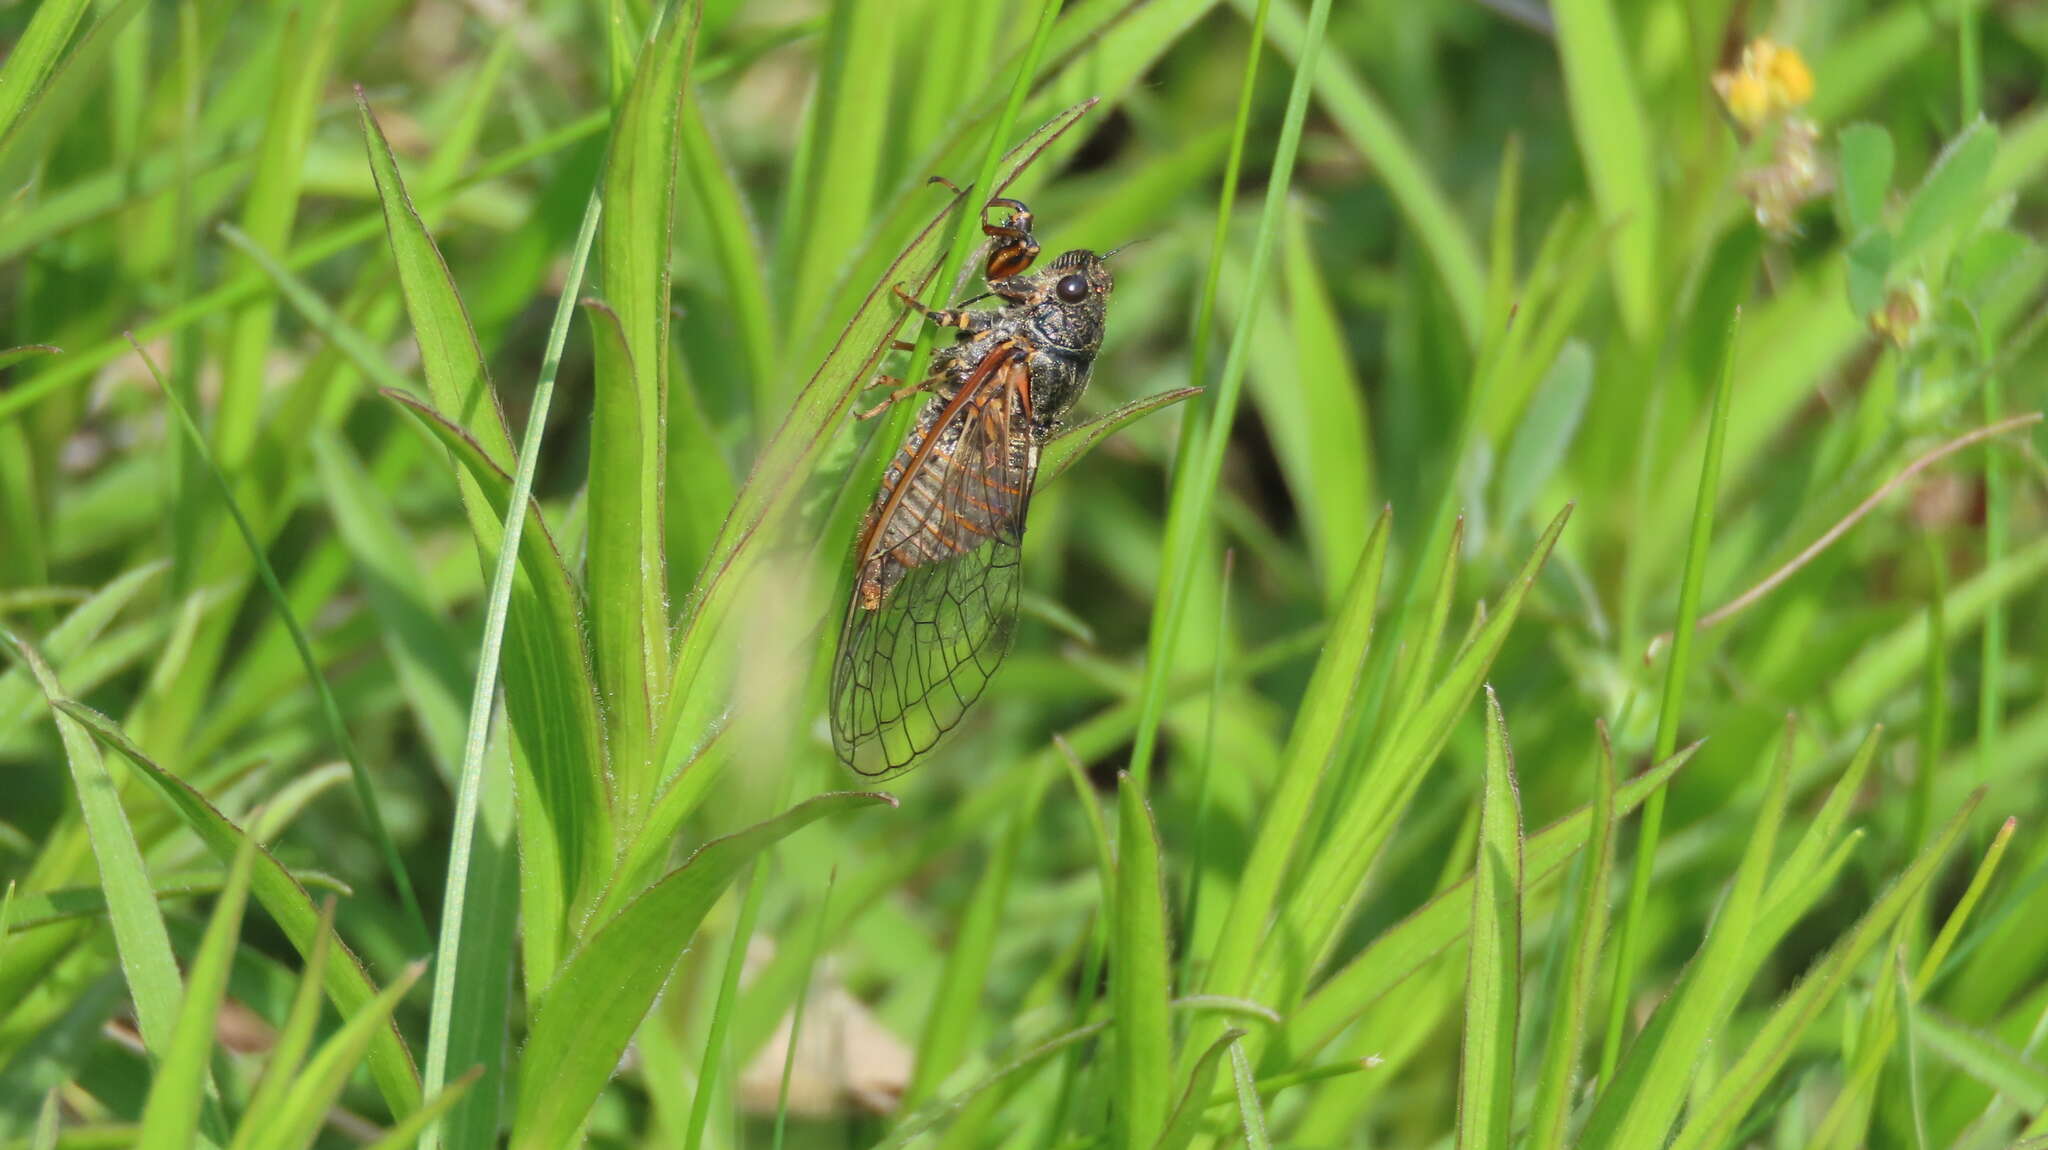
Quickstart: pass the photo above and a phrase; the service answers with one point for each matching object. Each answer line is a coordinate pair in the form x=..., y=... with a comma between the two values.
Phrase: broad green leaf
x=1713, y=1120
x=602, y=991
x=565, y=829
x=628, y=577
x=1950, y=195
x=1486, y=1078
x=1138, y=977
x=1866, y=167
x=348, y=985
x=1561, y=1042
x=1869, y=259
x=170, y=1116
x=140, y=939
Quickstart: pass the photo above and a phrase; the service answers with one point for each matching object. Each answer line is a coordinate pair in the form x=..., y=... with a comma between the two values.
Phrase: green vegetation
x=1527, y=642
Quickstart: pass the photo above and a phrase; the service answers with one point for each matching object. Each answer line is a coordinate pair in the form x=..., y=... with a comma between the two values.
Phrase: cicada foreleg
x=1015, y=248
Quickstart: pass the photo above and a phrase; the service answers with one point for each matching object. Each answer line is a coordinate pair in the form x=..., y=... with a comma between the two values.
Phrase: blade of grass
x=268, y=210
x=36, y=54
x=565, y=828
x=1138, y=976
x=1713, y=1119
x=462, y=955
x=330, y=708
x=796, y=1018
x=604, y=989
x=1614, y=143
x=406, y=1132
x=294, y=1039
x=177, y=1095
x=1323, y=719
x=1200, y=465
x=956, y=1004
x=1638, y=1107
x=140, y=940
x=1250, y=1112
x=316, y=1088
x=1680, y=665
x=1567, y=1029
x=1411, y=944
x=1186, y=1120
x=348, y=984
x=1486, y=1077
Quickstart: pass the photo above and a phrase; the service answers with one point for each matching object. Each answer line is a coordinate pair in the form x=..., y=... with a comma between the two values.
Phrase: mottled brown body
x=935, y=593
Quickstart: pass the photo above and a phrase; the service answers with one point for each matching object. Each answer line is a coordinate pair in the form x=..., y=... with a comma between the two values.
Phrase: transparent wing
x=941, y=558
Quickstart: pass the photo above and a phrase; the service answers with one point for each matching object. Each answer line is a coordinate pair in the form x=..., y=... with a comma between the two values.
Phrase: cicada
x=934, y=599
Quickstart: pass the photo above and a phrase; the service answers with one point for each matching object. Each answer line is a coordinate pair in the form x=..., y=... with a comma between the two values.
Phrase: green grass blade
x=144, y=947
x=268, y=210
x=348, y=985
x=294, y=1039
x=1067, y=448
x=472, y=987
x=1426, y=206
x=1486, y=1079
x=1559, y=1072
x=1249, y=1110
x=628, y=576
x=36, y=54
x=407, y=1131
x=1714, y=1119
x=1323, y=900
x=1675, y=673
x=1409, y=945
x=955, y=1010
x=1322, y=720
x=314, y=1091
x=1907, y=1009
x=1138, y=976
x=177, y=1096
x=1615, y=145
x=604, y=989
x=330, y=708
x=566, y=832
x=1186, y=1120
x=933, y=1114
x=1638, y=1106
x=1196, y=475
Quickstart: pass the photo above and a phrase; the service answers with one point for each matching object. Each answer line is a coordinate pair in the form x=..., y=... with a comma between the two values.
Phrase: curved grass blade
x=294, y=1039
x=1581, y=964
x=348, y=984
x=177, y=1095
x=1072, y=443
x=316, y=1087
x=605, y=988
x=1186, y=1121
x=330, y=708
x=140, y=940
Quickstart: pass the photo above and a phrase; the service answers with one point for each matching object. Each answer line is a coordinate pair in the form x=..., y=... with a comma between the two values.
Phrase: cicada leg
x=1015, y=248
x=944, y=317
x=898, y=391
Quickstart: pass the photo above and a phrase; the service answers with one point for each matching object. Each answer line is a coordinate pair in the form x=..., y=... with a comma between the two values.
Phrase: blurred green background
x=1481, y=261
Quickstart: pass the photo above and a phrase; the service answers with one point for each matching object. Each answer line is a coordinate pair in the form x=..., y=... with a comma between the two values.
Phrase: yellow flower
x=1770, y=80
x=1786, y=73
